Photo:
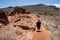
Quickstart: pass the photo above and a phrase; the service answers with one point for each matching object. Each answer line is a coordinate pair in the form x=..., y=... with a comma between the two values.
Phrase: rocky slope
x=18, y=29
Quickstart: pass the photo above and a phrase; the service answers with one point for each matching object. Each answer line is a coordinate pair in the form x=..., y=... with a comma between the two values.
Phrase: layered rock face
x=19, y=27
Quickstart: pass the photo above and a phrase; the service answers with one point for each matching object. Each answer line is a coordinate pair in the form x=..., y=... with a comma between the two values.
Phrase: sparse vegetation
x=52, y=26
x=49, y=16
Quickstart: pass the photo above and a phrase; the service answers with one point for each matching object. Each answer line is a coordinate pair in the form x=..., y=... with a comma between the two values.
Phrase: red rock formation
x=19, y=10
x=3, y=18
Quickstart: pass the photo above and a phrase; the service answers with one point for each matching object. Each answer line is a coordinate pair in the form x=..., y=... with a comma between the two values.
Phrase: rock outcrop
x=20, y=26
x=3, y=18
x=19, y=10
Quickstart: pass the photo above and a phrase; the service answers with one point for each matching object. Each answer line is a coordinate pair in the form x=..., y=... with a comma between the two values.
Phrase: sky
x=7, y=3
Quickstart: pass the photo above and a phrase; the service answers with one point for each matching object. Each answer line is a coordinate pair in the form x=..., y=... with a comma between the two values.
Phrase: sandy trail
x=43, y=35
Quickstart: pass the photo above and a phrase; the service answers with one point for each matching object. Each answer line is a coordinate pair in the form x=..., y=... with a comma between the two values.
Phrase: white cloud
x=57, y=5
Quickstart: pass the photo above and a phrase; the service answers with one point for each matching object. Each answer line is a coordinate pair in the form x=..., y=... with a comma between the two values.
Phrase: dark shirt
x=38, y=23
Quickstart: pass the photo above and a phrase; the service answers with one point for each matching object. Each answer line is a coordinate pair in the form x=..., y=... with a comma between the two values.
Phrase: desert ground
x=18, y=26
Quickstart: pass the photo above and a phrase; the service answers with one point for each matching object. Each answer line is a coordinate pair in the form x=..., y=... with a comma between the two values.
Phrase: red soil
x=41, y=35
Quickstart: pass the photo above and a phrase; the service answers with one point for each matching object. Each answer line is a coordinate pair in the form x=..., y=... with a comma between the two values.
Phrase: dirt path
x=43, y=35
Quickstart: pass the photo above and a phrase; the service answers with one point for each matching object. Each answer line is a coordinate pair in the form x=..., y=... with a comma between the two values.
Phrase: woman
x=38, y=24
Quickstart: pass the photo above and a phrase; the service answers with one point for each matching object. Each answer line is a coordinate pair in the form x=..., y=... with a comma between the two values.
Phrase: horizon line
x=57, y=5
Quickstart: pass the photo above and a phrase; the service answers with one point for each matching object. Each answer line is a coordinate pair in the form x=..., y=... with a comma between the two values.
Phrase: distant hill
x=50, y=9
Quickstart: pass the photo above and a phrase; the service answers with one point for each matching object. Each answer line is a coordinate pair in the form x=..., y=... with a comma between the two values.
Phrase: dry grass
x=11, y=33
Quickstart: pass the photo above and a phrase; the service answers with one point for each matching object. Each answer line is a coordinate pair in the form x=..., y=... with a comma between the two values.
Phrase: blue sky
x=6, y=3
